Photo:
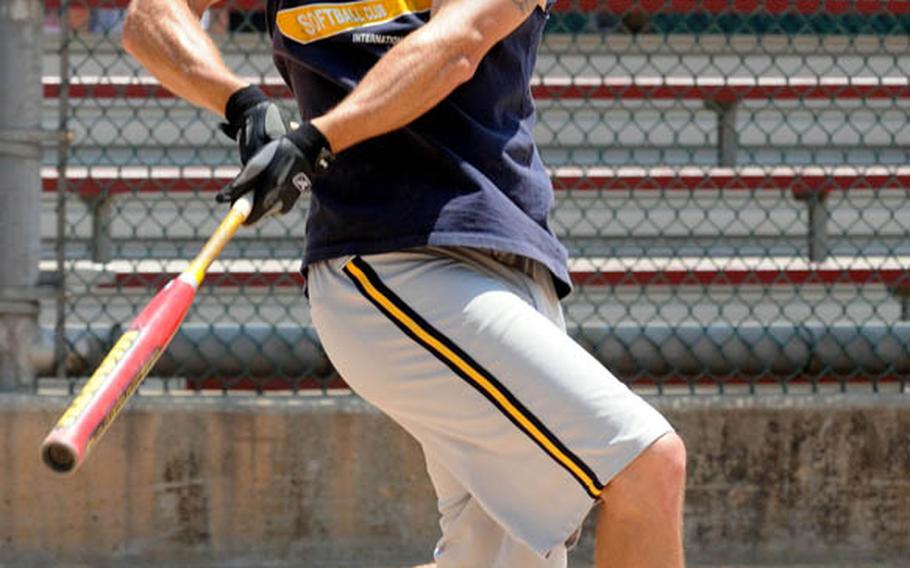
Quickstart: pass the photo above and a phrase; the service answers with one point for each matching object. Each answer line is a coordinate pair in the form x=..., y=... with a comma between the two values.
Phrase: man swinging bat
x=434, y=280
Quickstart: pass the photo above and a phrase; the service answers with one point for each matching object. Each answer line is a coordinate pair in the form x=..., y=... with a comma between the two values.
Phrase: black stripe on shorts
x=445, y=350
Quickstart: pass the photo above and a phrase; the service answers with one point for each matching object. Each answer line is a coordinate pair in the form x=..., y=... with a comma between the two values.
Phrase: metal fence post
x=102, y=247
x=727, y=134
x=63, y=149
x=20, y=187
x=818, y=226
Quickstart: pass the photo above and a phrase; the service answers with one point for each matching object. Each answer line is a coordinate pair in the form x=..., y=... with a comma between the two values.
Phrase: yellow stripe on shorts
x=406, y=319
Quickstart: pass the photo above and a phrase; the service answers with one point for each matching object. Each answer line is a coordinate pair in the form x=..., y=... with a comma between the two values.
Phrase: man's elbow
x=142, y=15
x=131, y=34
x=462, y=68
x=466, y=50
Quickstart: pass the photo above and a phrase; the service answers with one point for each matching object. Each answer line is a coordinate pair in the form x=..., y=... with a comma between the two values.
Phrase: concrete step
x=575, y=561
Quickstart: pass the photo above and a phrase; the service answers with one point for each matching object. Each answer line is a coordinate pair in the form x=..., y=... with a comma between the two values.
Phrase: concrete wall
x=312, y=482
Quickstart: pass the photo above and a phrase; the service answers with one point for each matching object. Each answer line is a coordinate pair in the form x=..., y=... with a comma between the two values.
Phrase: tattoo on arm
x=524, y=6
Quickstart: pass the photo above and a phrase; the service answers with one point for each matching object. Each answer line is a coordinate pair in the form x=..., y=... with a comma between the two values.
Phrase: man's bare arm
x=423, y=68
x=167, y=38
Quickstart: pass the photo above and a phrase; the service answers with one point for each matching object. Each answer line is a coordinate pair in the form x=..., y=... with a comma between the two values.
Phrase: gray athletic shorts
x=467, y=350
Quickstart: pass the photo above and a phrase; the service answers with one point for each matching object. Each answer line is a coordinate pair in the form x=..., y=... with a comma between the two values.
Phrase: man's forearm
x=407, y=82
x=415, y=75
x=168, y=39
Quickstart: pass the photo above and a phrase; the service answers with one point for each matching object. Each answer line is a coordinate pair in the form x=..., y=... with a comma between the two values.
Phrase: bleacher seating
x=737, y=251
x=653, y=6
x=801, y=181
x=720, y=89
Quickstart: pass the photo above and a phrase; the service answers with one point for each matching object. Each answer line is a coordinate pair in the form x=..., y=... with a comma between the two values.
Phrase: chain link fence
x=731, y=181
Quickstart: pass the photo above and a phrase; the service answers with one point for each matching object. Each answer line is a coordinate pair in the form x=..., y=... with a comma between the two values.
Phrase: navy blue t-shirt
x=466, y=173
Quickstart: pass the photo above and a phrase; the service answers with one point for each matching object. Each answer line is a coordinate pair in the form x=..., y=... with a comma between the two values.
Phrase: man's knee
x=653, y=483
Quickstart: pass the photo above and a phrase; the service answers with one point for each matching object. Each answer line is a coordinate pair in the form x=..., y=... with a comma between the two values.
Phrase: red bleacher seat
x=720, y=89
x=801, y=180
x=833, y=7
x=892, y=272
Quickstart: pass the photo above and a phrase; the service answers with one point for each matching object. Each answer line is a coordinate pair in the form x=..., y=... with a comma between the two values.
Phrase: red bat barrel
x=117, y=378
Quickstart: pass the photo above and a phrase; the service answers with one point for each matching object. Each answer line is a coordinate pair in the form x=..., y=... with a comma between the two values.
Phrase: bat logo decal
x=301, y=182
x=98, y=378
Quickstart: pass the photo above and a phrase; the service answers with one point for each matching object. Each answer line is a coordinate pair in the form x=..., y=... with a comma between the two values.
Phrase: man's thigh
x=527, y=422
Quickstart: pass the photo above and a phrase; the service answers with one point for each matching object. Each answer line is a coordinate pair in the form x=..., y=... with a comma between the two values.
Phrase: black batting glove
x=280, y=172
x=252, y=120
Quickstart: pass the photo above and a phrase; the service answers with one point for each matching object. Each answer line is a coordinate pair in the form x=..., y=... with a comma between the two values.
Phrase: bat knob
x=58, y=456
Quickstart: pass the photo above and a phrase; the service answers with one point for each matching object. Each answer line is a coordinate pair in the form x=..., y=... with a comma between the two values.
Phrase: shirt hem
x=559, y=272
